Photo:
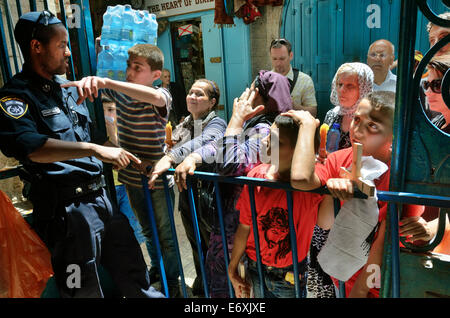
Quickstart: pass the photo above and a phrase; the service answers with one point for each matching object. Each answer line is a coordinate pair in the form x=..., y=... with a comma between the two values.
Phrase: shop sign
x=166, y=8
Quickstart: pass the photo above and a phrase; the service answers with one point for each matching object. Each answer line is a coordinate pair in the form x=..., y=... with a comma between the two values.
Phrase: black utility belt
x=82, y=189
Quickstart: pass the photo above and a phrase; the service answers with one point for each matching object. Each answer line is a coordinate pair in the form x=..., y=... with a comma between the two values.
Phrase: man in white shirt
x=302, y=87
x=380, y=58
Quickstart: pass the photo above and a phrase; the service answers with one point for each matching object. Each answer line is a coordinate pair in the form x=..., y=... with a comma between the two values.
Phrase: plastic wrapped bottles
x=122, y=28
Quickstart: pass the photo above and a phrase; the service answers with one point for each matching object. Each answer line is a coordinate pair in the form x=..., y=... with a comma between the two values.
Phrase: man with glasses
x=302, y=87
x=380, y=58
x=42, y=126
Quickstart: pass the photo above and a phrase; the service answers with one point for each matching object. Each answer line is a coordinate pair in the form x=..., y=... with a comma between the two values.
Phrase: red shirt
x=343, y=158
x=272, y=218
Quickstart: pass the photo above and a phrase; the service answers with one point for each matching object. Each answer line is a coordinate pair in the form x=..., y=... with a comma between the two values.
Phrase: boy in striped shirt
x=142, y=112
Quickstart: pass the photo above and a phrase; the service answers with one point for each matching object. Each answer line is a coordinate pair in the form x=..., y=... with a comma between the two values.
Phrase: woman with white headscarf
x=351, y=83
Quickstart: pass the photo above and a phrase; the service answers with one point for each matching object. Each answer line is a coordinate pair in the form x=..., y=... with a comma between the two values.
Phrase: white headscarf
x=365, y=82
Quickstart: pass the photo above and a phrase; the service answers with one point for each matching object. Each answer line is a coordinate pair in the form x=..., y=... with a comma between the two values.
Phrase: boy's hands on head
x=87, y=87
x=340, y=188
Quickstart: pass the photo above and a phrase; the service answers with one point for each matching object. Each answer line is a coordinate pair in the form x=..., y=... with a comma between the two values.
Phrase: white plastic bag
x=347, y=247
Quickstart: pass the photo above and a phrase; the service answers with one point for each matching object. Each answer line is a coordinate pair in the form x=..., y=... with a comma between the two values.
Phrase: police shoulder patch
x=13, y=106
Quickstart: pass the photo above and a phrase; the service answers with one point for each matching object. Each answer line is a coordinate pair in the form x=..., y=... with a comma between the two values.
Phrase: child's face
x=140, y=72
x=373, y=130
x=109, y=109
x=285, y=149
x=165, y=78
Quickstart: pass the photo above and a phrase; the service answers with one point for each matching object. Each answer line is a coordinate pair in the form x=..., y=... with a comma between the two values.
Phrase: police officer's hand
x=118, y=157
x=87, y=87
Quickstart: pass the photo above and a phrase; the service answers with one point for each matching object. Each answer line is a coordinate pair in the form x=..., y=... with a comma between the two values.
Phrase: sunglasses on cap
x=43, y=19
x=435, y=85
x=279, y=41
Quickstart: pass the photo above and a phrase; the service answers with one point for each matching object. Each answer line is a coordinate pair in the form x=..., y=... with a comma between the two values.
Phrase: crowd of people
x=45, y=124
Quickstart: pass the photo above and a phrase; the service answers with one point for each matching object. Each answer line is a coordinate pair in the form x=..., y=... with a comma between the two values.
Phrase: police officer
x=42, y=126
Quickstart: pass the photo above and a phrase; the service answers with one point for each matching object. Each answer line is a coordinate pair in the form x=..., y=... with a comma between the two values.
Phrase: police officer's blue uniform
x=71, y=210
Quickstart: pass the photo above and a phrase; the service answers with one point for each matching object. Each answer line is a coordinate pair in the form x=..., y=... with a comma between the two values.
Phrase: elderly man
x=380, y=58
x=302, y=87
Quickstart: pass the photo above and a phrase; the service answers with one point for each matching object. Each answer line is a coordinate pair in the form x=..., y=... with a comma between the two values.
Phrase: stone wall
x=262, y=32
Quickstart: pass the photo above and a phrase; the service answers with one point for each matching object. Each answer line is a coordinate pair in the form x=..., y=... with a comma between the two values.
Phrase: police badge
x=13, y=106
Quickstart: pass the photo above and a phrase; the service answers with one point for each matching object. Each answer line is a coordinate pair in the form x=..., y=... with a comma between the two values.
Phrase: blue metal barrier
x=151, y=218
x=251, y=182
x=395, y=199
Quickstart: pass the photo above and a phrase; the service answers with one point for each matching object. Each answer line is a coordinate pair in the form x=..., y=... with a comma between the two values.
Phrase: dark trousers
x=84, y=233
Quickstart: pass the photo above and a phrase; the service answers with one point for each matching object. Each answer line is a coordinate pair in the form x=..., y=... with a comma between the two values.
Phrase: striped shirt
x=141, y=131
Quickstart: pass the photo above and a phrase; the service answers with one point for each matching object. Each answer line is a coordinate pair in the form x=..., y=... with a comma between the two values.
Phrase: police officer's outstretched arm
x=59, y=150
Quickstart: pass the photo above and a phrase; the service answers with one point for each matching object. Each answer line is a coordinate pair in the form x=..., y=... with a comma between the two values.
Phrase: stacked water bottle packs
x=122, y=28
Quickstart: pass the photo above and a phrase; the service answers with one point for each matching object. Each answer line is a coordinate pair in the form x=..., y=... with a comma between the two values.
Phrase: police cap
x=29, y=23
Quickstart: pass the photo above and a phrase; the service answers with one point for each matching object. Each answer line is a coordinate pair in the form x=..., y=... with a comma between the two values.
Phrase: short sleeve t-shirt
x=273, y=225
x=141, y=131
x=343, y=158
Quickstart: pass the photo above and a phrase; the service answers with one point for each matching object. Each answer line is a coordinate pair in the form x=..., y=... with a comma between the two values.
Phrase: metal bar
x=11, y=35
x=151, y=218
x=403, y=97
x=6, y=66
x=46, y=4
x=89, y=29
x=197, y=233
x=223, y=233
x=251, y=194
x=85, y=38
x=395, y=248
x=293, y=237
x=9, y=172
x=414, y=198
x=174, y=232
x=19, y=8
x=64, y=21
x=337, y=208
x=209, y=176
x=33, y=5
